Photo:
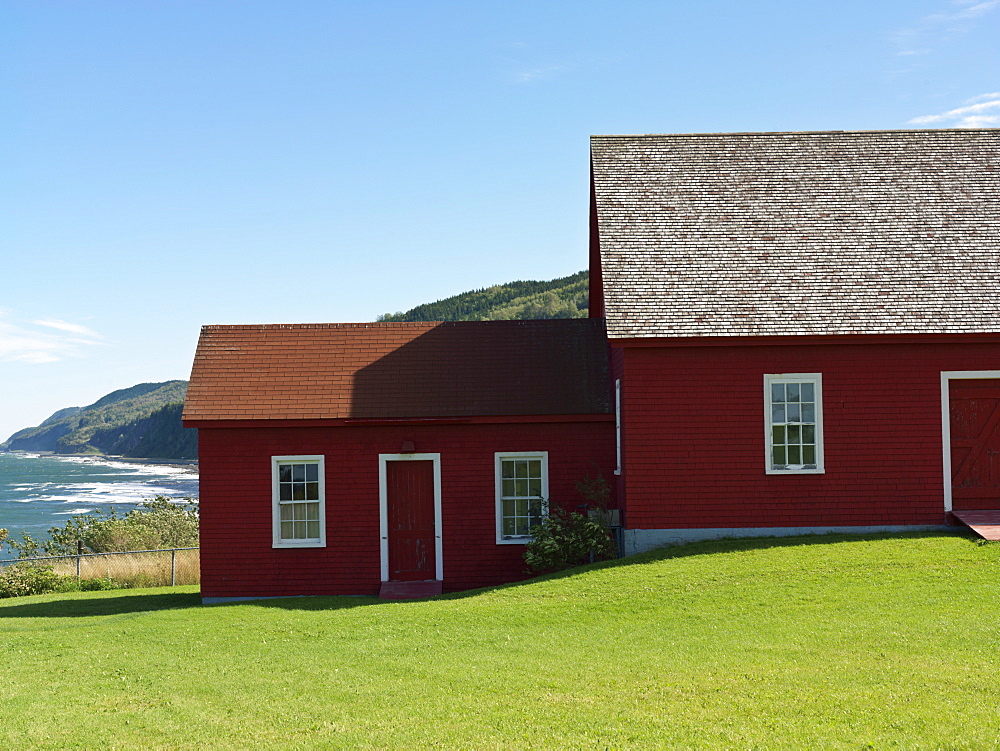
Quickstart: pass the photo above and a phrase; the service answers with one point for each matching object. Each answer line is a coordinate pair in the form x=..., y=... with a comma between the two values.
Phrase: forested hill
x=560, y=298
x=140, y=421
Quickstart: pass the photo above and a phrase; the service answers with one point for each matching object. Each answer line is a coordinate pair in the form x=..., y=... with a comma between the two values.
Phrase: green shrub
x=567, y=539
x=158, y=523
x=100, y=584
x=22, y=579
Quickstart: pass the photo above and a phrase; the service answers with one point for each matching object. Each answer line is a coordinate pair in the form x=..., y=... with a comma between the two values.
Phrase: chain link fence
x=136, y=568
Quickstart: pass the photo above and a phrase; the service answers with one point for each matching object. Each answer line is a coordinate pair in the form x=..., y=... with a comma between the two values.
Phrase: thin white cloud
x=73, y=328
x=538, y=74
x=24, y=341
x=958, y=17
x=976, y=113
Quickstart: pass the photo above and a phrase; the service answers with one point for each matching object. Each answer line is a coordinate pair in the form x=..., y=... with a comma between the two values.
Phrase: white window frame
x=498, y=465
x=817, y=380
x=277, y=541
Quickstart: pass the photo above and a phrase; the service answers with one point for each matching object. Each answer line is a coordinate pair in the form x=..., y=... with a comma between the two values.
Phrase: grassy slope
x=832, y=642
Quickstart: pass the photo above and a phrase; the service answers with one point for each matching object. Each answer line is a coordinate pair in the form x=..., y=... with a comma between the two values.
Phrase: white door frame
x=383, y=502
x=946, y=377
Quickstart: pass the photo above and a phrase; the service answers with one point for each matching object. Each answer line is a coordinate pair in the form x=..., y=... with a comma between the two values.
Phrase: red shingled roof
x=399, y=370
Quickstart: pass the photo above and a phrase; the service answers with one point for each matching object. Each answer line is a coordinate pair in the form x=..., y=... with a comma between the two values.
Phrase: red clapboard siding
x=237, y=557
x=693, y=428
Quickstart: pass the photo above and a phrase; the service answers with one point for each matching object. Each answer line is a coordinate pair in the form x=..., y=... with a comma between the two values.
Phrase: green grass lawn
x=814, y=641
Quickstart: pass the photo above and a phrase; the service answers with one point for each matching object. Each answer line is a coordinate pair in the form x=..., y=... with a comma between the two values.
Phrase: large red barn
x=805, y=328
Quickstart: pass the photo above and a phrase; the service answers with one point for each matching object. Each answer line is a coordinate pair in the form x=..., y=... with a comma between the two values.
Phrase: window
x=298, y=502
x=793, y=416
x=522, y=488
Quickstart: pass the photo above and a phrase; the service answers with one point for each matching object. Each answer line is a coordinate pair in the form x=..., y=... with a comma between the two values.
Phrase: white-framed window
x=522, y=493
x=793, y=420
x=298, y=502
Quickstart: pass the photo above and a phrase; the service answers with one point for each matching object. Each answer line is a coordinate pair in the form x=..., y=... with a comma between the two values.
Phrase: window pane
x=793, y=413
x=285, y=492
x=808, y=412
x=300, y=530
x=313, y=528
x=793, y=392
x=777, y=393
x=534, y=488
x=312, y=473
x=312, y=491
x=298, y=491
x=778, y=435
x=312, y=512
x=808, y=392
x=507, y=508
x=506, y=468
x=508, y=526
x=535, y=512
x=286, y=530
x=507, y=488
x=777, y=413
x=794, y=456
x=521, y=488
x=778, y=455
x=286, y=512
x=794, y=434
x=808, y=455
x=809, y=434
x=521, y=508
x=520, y=526
x=535, y=468
x=285, y=472
x=521, y=468
x=298, y=472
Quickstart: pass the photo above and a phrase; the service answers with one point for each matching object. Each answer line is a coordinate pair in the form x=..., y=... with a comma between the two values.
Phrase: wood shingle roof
x=772, y=234
x=399, y=370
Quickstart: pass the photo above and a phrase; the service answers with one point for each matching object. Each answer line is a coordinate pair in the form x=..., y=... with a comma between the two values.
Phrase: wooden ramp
x=411, y=590
x=984, y=522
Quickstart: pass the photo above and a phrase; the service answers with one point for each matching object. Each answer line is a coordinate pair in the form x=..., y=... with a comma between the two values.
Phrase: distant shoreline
x=189, y=464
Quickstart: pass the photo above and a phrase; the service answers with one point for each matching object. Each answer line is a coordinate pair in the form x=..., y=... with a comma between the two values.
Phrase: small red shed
x=338, y=457
x=805, y=328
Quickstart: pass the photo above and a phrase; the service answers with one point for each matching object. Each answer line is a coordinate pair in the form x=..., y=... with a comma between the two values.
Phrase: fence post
x=173, y=568
x=79, y=556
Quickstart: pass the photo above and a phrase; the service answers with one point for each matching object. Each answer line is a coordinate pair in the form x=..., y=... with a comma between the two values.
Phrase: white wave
x=73, y=512
x=131, y=467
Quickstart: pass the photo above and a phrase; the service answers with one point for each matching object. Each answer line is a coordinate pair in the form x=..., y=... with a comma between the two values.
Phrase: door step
x=410, y=590
x=984, y=522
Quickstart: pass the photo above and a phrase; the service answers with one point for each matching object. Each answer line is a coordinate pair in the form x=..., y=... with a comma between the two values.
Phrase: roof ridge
x=795, y=133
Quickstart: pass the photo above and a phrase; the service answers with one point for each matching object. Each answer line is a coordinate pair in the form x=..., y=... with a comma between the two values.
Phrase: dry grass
x=141, y=569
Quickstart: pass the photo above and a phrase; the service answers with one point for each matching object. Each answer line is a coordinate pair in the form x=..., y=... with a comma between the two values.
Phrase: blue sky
x=172, y=163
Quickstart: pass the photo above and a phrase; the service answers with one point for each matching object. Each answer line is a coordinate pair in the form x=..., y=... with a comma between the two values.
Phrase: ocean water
x=39, y=491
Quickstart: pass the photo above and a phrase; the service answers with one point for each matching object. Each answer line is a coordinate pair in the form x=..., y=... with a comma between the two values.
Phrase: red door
x=410, y=512
x=975, y=443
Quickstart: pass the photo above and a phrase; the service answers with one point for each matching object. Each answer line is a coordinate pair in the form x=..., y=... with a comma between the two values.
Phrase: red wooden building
x=339, y=457
x=804, y=336
x=805, y=328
